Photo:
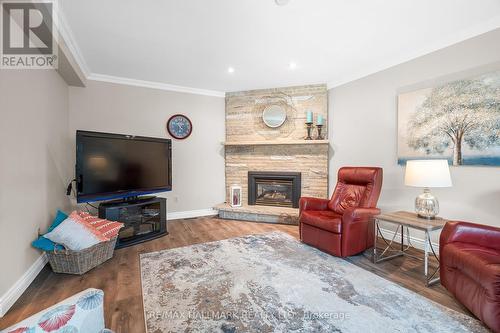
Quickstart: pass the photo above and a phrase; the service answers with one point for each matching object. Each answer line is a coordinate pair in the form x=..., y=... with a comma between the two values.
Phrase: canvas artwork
x=458, y=121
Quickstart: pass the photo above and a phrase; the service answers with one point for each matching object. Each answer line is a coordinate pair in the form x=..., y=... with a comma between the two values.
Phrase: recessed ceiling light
x=230, y=70
x=292, y=65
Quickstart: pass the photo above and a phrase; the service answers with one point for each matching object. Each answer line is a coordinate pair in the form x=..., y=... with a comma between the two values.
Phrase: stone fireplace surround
x=252, y=146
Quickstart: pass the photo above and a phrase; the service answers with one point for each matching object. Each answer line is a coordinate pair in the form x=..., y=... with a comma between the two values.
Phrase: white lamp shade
x=428, y=173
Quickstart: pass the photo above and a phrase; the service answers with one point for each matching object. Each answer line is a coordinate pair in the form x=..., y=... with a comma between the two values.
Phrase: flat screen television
x=116, y=166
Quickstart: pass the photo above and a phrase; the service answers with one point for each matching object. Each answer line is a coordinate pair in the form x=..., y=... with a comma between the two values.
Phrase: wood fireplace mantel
x=276, y=142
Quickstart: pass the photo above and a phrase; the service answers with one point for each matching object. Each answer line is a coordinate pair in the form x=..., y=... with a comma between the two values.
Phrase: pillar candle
x=319, y=120
x=309, y=118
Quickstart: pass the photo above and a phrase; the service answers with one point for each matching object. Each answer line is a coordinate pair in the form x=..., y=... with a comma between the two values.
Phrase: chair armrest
x=358, y=214
x=472, y=233
x=357, y=229
x=306, y=203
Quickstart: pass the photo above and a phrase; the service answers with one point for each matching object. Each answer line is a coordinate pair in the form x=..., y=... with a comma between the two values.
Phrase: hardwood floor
x=120, y=276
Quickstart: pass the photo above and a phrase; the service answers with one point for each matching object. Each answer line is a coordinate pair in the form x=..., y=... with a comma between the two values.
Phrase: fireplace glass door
x=274, y=192
x=280, y=189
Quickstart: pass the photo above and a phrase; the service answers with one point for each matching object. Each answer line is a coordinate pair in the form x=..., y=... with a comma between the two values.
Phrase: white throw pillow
x=75, y=234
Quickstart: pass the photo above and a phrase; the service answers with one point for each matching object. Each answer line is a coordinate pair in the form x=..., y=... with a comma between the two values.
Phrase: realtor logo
x=27, y=37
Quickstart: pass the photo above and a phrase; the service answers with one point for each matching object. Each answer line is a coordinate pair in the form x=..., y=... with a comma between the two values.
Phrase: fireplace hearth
x=280, y=189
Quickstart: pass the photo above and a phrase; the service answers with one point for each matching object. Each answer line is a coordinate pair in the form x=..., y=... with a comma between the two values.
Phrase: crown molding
x=456, y=38
x=153, y=85
x=67, y=35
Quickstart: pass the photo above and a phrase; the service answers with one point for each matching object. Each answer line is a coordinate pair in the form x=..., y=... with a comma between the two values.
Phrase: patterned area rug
x=274, y=283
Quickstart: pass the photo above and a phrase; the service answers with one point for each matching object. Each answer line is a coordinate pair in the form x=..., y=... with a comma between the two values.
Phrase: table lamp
x=427, y=174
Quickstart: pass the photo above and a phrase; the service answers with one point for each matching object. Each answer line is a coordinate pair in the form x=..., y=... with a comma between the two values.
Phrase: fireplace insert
x=280, y=189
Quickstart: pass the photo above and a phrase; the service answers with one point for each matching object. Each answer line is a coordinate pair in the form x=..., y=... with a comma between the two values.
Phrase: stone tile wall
x=244, y=123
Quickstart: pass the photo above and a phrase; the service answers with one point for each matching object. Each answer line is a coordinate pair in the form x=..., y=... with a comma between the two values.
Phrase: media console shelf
x=145, y=218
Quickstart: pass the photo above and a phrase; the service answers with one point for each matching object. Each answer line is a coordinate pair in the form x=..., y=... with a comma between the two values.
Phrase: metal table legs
x=428, y=248
x=432, y=279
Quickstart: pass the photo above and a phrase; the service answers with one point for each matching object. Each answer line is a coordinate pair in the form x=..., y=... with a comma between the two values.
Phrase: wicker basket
x=80, y=262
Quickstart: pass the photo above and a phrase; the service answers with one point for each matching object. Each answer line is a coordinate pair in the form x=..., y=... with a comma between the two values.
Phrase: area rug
x=274, y=283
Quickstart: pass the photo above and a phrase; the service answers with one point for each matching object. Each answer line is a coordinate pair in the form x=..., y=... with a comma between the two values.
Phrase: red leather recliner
x=469, y=257
x=343, y=226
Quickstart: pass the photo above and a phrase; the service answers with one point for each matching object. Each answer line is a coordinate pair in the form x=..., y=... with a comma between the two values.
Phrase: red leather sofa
x=470, y=268
x=343, y=225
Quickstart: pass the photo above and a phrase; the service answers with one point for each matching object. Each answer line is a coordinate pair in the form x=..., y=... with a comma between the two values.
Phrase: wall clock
x=179, y=126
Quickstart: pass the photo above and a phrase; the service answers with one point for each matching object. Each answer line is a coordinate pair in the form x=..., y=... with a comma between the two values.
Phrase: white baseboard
x=191, y=214
x=418, y=243
x=12, y=295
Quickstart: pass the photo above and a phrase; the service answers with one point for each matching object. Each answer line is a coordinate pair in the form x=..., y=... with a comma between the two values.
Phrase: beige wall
x=37, y=150
x=363, y=130
x=198, y=161
x=34, y=164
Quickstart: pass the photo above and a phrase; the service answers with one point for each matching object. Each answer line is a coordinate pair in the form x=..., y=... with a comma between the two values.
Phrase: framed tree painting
x=458, y=121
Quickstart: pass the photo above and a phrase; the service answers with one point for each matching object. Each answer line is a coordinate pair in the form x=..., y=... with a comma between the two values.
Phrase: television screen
x=110, y=166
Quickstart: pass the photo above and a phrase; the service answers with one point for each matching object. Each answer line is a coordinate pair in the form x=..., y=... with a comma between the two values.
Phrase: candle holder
x=309, y=131
x=320, y=135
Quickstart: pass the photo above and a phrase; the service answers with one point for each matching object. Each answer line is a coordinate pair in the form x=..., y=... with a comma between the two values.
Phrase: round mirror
x=274, y=116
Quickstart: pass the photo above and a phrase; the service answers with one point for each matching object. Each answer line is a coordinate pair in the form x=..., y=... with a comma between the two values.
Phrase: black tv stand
x=130, y=200
x=145, y=218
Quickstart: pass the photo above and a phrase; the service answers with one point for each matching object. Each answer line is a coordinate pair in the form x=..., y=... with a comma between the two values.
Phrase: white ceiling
x=192, y=43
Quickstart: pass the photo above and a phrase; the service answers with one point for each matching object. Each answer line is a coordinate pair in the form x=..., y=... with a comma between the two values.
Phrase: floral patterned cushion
x=81, y=313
